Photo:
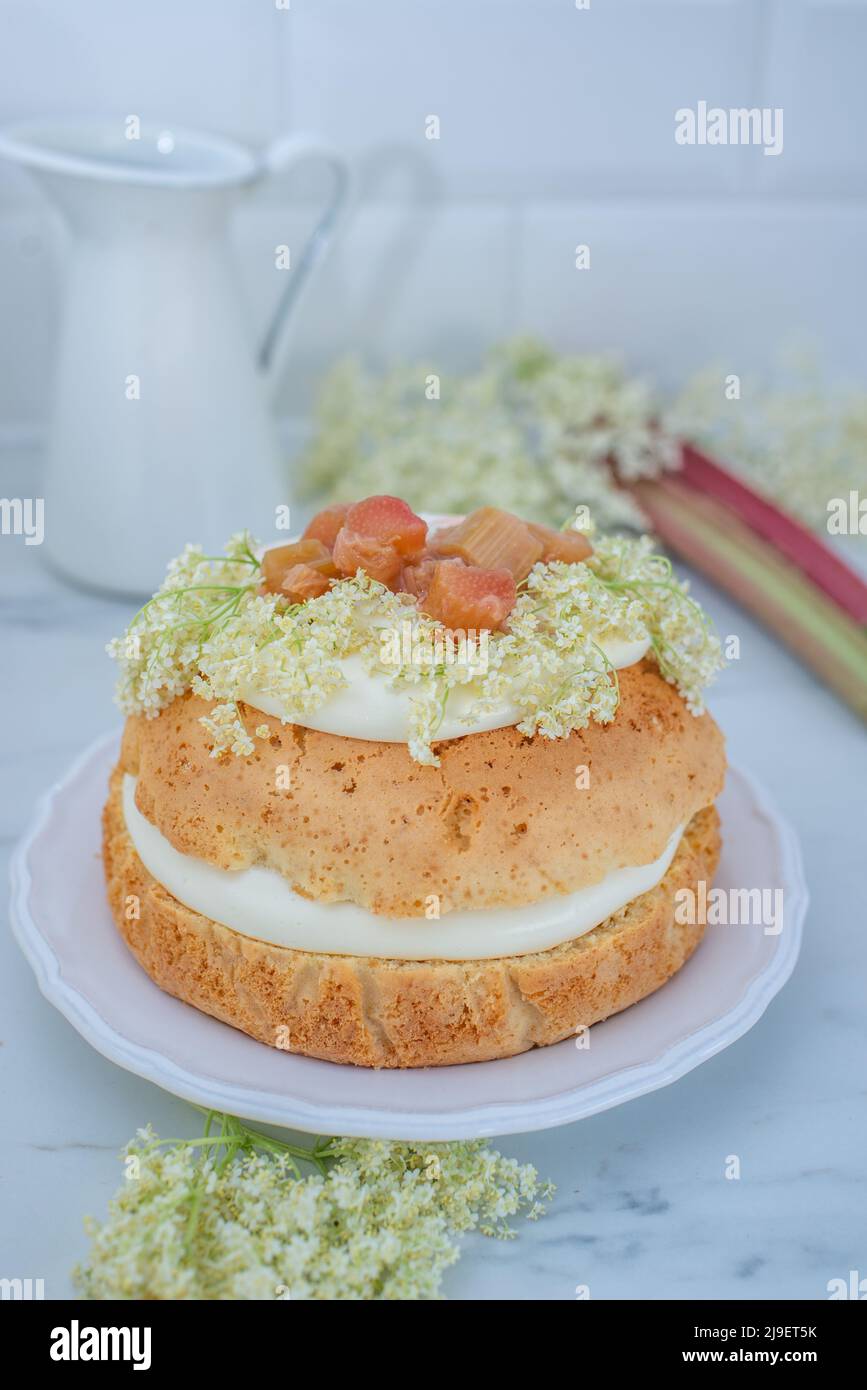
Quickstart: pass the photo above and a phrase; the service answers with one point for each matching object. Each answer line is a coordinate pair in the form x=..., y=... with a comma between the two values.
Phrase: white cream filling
x=367, y=707
x=258, y=902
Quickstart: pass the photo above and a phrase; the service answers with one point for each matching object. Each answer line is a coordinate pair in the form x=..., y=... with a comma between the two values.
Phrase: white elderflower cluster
x=795, y=436
x=209, y=630
x=158, y=655
x=686, y=648
x=225, y=727
x=378, y=1222
x=532, y=428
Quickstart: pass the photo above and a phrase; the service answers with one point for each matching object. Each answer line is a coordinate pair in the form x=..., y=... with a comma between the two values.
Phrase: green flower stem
x=242, y=1135
x=617, y=586
x=245, y=559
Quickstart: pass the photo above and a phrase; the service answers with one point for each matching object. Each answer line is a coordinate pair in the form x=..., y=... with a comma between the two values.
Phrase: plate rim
x=481, y=1120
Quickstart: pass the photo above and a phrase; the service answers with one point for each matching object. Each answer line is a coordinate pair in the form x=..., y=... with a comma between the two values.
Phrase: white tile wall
x=533, y=98
x=438, y=282
x=556, y=127
x=817, y=71
x=681, y=286
x=215, y=63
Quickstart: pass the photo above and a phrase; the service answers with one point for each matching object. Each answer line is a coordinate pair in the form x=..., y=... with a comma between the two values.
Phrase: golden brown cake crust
x=390, y=1013
x=500, y=823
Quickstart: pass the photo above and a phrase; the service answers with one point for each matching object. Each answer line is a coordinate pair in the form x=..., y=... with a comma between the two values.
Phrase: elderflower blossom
x=686, y=648
x=531, y=428
x=228, y=643
x=158, y=655
x=378, y=1225
x=799, y=438
x=225, y=727
x=535, y=430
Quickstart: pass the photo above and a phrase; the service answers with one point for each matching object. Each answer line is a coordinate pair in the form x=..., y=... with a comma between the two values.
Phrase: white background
x=557, y=127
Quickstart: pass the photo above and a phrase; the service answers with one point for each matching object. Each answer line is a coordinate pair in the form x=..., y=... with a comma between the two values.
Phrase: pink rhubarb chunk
x=466, y=597
x=379, y=535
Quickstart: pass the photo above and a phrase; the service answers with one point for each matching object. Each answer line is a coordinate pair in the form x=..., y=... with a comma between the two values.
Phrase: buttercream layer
x=393, y=1013
x=369, y=708
x=258, y=902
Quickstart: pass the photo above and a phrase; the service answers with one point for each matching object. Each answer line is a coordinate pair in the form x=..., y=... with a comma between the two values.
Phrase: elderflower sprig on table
x=228, y=1215
x=531, y=427
x=209, y=630
x=796, y=435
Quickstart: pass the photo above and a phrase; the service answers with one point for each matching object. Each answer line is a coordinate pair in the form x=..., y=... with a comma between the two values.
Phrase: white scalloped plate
x=64, y=927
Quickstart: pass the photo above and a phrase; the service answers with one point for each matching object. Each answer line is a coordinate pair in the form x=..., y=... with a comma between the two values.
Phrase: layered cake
x=410, y=792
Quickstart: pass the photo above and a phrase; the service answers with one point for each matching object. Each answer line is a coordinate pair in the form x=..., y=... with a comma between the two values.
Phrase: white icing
x=368, y=708
x=258, y=902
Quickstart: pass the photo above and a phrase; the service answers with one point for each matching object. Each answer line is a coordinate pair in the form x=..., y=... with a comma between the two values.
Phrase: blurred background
x=556, y=128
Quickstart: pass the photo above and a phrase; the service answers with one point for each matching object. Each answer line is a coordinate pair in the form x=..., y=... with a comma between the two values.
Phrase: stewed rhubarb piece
x=278, y=561
x=436, y=539
x=491, y=538
x=416, y=579
x=302, y=582
x=326, y=524
x=379, y=536
x=569, y=546
x=467, y=597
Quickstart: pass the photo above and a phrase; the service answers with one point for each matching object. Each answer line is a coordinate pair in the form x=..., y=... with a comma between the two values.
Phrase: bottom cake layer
x=395, y=1013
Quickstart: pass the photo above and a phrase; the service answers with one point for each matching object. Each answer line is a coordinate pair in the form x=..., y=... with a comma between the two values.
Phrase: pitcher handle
x=280, y=156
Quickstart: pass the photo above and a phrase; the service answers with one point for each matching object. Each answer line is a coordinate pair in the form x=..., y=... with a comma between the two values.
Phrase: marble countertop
x=643, y=1207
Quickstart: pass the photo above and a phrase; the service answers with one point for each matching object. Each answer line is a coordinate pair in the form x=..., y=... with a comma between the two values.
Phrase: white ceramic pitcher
x=160, y=429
